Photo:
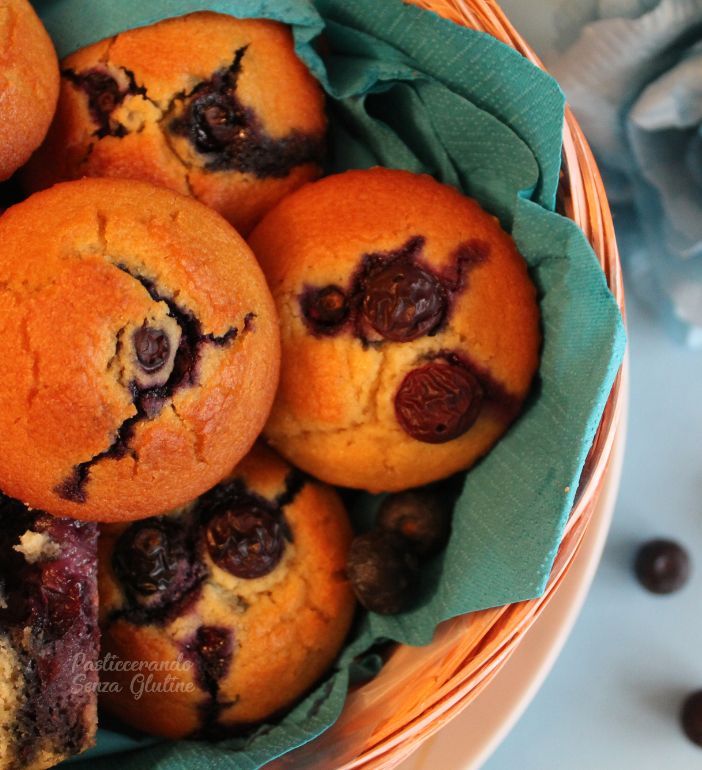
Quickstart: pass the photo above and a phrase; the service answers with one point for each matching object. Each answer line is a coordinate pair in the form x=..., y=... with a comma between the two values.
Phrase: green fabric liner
x=411, y=90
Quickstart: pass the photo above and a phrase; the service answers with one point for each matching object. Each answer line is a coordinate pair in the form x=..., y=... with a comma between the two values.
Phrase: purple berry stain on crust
x=466, y=256
x=438, y=402
x=73, y=486
x=152, y=347
x=245, y=537
x=393, y=296
x=219, y=125
x=213, y=647
x=104, y=95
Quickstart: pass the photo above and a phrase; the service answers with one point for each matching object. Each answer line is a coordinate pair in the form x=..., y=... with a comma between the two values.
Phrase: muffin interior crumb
x=37, y=546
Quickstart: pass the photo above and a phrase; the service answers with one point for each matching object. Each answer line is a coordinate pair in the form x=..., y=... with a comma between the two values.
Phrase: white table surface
x=612, y=699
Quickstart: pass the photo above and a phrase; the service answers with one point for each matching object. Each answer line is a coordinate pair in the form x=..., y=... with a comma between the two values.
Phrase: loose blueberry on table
x=662, y=566
x=691, y=717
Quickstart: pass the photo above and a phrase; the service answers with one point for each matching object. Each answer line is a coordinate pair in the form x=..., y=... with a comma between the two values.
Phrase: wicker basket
x=420, y=689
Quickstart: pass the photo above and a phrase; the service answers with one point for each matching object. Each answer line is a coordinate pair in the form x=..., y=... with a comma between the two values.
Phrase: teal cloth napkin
x=410, y=90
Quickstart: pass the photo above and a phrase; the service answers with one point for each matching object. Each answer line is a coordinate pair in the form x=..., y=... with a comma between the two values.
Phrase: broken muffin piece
x=48, y=637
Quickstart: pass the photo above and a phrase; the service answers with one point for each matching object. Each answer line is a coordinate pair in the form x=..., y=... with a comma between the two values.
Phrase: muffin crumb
x=37, y=547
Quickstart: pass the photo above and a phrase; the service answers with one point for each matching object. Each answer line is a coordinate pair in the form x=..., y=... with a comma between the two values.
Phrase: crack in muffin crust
x=227, y=134
x=121, y=298
x=149, y=401
x=231, y=135
x=104, y=95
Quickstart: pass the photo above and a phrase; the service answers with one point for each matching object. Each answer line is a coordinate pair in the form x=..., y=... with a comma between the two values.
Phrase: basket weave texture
x=421, y=689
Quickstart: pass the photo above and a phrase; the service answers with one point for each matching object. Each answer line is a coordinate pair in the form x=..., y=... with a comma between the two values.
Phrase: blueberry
x=152, y=348
x=403, y=302
x=420, y=516
x=438, y=402
x=245, y=538
x=217, y=121
x=325, y=309
x=383, y=571
x=146, y=557
x=104, y=93
x=662, y=566
x=691, y=717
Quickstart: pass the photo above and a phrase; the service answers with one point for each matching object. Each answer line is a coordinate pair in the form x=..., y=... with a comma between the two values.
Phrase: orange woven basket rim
x=472, y=648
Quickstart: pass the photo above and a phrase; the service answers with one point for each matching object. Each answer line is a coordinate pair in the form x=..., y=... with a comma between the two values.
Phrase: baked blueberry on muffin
x=238, y=602
x=48, y=637
x=206, y=104
x=140, y=349
x=29, y=84
x=409, y=327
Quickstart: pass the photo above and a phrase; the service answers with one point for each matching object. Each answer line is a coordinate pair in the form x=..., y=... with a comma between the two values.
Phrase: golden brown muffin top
x=206, y=104
x=247, y=584
x=140, y=349
x=29, y=83
x=403, y=304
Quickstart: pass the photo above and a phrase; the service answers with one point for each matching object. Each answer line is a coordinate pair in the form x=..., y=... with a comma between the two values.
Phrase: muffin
x=140, y=349
x=236, y=604
x=48, y=637
x=409, y=327
x=29, y=84
x=206, y=104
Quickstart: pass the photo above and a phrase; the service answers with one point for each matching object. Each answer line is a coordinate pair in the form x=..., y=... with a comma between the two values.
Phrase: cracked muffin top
x=246, y=587
x=29, y=84
x=206, y=104
x=409, y=328
x=140, y=349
